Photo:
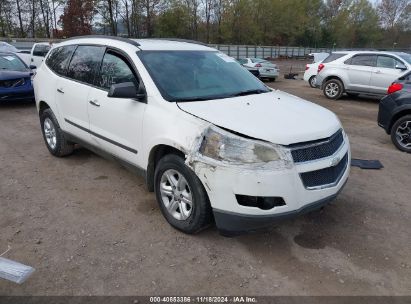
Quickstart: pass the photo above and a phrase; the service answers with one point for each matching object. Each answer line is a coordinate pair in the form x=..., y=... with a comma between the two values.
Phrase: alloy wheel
x=313, y=81
x=50, y=133
x=176, y=195
x=403, y=134
x=332, y=89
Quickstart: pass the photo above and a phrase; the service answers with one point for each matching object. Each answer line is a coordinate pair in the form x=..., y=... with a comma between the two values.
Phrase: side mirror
x=127, y=90
x=32, y=67
x=400, y=66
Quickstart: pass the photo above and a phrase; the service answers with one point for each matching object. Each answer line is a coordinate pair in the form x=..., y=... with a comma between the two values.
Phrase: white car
x=312, y=68
x=211, y=139
x=36, y=55
x=267, y=69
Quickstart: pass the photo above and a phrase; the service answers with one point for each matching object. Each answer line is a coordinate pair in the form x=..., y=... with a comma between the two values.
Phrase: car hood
x=7, y=74
x=275, y=117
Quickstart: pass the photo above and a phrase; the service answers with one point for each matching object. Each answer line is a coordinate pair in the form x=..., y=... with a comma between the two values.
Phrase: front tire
x=401, y=134
x=333, y=89
x=312, y=81
x=53, y=136
x=181, y=195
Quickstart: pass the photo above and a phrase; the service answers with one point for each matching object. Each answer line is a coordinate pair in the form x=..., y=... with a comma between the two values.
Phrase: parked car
x=36, y=55
x=267, y=69
x=7, y=48
x=252, y=70
x=366, y=72
x=310, y=74
x=394, y=115
x=15, y=79
x=210, y=139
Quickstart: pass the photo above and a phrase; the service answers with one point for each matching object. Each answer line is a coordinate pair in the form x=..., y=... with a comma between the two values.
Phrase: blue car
x=15, y=79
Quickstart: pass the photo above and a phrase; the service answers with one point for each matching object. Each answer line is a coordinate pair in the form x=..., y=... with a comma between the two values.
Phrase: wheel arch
x=42, y=105
x=156, y=153
x=333, y=77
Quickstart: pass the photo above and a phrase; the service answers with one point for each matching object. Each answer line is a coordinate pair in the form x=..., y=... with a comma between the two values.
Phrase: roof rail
x=122, y=39
x=181, y=40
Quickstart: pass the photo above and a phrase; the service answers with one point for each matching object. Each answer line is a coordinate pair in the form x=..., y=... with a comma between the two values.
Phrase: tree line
x=309, y=23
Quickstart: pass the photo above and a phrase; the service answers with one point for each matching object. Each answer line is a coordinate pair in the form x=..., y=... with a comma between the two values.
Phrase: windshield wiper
x=189, y=99
x=249, y=92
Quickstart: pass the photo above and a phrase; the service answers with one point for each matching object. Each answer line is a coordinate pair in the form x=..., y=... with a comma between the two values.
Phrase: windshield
x=11, y=62
x=406, y=57
x=199, y=75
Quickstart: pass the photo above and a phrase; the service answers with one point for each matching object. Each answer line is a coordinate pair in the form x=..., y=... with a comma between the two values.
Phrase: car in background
x=15, y=78
x=310, y=74
x=36, y=55
x=252, y=70
x=7, y=48
x=365, y=72
x=394, y=114
x=268, y=70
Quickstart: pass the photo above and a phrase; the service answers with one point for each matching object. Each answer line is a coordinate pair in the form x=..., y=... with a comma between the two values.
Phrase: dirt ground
x=89, y=227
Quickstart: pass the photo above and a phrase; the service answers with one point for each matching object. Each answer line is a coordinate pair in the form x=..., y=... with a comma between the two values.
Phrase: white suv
x=210, y=139
x=364, y=72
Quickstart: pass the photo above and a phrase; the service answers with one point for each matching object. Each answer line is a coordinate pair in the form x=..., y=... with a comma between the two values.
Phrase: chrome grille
x=318, y=149
x=326, y=177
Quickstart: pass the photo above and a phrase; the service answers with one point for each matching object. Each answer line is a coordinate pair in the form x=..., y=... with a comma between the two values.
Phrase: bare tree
x=393, y=13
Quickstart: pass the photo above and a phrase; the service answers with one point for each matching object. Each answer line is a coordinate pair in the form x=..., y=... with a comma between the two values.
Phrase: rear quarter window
x=333, y=57
x=59, y=58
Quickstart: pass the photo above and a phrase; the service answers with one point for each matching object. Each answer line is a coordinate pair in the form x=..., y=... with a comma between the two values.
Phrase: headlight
x=227, y=147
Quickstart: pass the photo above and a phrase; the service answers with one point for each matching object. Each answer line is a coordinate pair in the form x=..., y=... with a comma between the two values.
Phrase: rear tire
x=181, y=195
x=333, y=89
x=53, y=136
x=401, y=134
x=312, y=81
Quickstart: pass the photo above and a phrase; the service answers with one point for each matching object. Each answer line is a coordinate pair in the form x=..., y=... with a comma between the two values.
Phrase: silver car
x=365, y=72
x=267, y=69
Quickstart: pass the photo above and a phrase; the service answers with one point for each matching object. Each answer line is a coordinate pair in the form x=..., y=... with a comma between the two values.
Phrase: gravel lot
x=89, y=227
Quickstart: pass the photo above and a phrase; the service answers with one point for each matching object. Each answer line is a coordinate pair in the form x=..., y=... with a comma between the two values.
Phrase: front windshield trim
x=215, y=97
x=250, y=84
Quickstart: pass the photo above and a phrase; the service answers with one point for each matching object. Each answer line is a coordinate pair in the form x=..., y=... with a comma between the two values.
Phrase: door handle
x=60, y=91
x=94, y=103
x=378, y=72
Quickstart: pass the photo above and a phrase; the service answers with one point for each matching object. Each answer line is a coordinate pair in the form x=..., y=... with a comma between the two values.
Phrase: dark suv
x=395, y=113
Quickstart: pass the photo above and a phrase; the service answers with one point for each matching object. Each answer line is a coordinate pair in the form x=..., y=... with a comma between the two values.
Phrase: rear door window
x=85, y=62
x=333, y=57
x=364, y=60
x=59, y=58
x=114, y=70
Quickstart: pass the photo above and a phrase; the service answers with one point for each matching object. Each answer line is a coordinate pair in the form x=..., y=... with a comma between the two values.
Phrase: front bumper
x=232, y=224
x=17, y=94
x=224, y=184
